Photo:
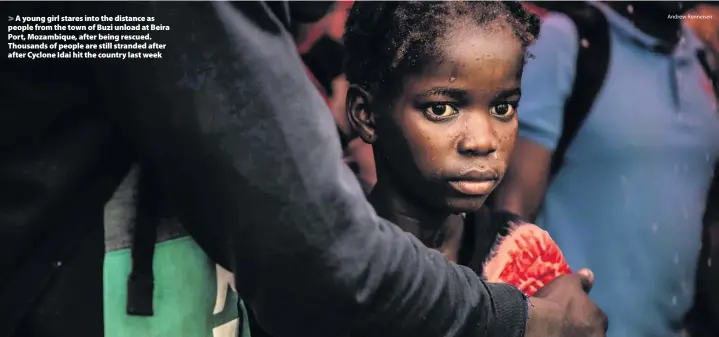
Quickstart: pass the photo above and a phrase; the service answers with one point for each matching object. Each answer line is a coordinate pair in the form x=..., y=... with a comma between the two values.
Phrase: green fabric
x=184, y=299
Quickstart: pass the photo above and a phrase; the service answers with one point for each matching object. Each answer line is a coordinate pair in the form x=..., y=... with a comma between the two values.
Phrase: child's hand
x=527, y=258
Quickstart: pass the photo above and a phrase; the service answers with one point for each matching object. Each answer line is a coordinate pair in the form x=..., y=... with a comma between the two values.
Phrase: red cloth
x=332, y=25
x=536, y=10
x=527, y=258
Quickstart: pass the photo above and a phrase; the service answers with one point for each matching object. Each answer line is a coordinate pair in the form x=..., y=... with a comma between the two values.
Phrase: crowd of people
x=215, y=181
x=633, y=189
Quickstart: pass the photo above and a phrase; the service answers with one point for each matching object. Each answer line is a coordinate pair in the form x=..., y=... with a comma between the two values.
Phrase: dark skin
x=419, y=155
x=444, y=141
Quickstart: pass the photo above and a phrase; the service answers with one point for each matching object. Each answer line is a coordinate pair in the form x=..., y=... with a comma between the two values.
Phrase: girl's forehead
x=476, y=48
x=481, y=62
x=468, y=26
x=460, y=39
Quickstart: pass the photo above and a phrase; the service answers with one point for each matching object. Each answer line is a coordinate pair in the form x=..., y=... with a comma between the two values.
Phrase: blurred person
x=703, y=320
x=323, y=53
x=246, y=154
x=705, y=24
x=619, y=136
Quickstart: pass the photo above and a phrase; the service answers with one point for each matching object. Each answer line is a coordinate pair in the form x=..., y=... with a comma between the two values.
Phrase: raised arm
x=249, y=153
x=546, y=84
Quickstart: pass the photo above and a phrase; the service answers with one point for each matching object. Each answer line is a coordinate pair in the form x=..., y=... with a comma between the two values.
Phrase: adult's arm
x=546, y=85
x=249, y=153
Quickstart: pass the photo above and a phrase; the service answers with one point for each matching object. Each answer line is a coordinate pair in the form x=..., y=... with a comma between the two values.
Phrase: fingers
x=605, y=321
x=586, y=277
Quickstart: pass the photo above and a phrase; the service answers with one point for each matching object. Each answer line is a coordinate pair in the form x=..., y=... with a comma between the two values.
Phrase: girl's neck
x=436, y=229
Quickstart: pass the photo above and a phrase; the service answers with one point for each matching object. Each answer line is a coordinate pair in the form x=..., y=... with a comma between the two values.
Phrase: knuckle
x=602, y=319
x=605, y=322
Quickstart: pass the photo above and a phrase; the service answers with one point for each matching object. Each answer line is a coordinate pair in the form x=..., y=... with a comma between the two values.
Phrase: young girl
x=434, y=87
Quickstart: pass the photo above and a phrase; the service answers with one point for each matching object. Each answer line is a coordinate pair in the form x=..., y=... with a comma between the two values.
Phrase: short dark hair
x=385, y=40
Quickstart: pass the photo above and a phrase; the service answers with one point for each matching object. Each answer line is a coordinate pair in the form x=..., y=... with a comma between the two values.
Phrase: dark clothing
x=248, y=153
x=481, y=232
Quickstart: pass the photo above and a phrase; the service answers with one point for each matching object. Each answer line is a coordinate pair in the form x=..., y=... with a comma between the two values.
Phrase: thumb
x=586, y=277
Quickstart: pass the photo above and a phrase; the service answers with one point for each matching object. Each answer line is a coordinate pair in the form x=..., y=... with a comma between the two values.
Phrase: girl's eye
x=441, y=110
x=503, y=110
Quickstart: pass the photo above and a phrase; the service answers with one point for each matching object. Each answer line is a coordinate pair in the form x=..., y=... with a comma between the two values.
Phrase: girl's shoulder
x=483, y=230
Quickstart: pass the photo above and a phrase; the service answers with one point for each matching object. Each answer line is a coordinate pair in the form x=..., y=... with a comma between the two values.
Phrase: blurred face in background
x=356, y=154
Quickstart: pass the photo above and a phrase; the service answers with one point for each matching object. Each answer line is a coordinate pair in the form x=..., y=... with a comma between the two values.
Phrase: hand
x=563, y=309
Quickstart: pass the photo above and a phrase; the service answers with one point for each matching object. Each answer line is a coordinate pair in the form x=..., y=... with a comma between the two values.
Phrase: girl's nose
x=478, y=138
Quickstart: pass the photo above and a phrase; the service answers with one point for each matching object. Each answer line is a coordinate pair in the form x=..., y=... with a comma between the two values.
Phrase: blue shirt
x=629, y=200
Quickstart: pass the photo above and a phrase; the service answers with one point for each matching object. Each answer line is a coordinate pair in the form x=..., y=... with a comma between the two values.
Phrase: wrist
x=541, y=318
x=510, y=308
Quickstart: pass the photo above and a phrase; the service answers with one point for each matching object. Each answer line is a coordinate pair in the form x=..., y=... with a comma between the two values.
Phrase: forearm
x=250, y=155
x=512, y=197
x=521, y=192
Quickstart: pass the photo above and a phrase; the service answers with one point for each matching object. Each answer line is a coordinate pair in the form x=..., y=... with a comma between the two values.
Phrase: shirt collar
x=687, y=48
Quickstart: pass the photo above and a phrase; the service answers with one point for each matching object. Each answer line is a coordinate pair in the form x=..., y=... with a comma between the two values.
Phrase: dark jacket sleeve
x=250, y=155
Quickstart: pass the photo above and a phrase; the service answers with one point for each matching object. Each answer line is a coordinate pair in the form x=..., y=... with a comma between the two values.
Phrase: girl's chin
x=465, y=205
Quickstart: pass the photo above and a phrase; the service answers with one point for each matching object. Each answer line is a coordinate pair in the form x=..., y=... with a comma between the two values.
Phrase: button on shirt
x=629, y=200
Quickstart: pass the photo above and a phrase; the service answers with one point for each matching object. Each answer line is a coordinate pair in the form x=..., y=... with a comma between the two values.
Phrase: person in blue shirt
x=247, y=154
x=628, y=201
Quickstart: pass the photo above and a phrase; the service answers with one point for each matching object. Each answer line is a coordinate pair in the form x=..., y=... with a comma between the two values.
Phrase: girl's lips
x=473, y=187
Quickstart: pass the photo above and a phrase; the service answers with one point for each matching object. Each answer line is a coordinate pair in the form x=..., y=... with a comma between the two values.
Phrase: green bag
x=193, y=297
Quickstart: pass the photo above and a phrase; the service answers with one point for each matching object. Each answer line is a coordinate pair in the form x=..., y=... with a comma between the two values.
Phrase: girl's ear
x=359, y=113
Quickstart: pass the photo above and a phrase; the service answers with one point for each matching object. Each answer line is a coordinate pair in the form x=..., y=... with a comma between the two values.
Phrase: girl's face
x=449, y=134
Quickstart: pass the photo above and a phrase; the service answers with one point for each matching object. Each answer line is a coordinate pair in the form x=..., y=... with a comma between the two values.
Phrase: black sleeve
x=249, y=153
